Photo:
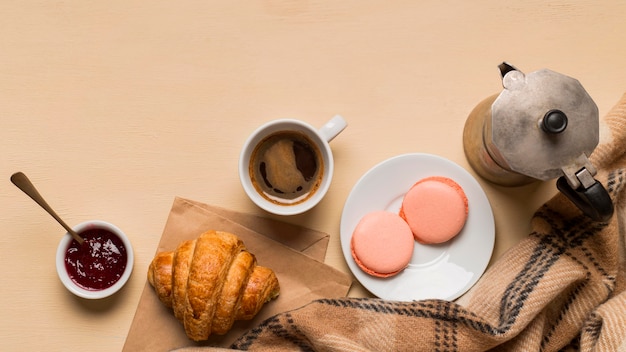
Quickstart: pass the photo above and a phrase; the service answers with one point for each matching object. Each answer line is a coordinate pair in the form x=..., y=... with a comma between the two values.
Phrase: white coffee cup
x=272, y=145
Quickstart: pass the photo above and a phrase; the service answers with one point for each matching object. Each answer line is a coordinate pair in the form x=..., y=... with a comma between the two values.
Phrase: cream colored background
x=113, y=108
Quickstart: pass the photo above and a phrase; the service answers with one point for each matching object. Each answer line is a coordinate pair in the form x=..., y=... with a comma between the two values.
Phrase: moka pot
x=543, y=125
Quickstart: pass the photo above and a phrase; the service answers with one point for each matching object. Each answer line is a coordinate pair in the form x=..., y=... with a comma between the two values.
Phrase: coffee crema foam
x=286, y=168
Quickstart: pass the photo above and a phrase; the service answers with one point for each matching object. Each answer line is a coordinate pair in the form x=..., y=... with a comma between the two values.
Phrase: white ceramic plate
x=443, y=271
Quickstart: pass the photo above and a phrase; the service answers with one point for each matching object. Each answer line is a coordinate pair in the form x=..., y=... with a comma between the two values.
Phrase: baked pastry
x=436, y=209
x=210, y=282
x=382, y=244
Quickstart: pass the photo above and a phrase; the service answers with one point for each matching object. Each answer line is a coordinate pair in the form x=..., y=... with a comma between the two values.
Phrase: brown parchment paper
x=295, y=254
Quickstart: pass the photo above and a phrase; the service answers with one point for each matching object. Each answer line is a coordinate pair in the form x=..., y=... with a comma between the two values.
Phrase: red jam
x=99, y=262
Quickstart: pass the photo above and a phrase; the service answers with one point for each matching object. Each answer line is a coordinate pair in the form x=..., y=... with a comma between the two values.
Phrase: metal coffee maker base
x=477, y=155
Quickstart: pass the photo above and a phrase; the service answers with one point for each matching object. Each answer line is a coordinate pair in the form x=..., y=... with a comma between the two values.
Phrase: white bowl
x=77, y=289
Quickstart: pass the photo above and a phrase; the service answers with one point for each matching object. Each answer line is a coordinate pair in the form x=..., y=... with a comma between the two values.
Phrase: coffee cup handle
x=332, y=128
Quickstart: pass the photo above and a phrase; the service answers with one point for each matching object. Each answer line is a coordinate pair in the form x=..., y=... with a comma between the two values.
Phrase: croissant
x=210, y=282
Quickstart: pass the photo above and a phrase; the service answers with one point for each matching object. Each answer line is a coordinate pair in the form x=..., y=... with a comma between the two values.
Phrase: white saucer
x=443, y=271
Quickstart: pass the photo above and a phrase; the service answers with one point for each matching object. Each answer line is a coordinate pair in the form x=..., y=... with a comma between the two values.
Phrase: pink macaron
x=382, y=244
x=435, y=209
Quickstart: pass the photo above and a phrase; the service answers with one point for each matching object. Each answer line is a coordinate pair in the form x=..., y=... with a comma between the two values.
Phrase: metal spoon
x=22, y=182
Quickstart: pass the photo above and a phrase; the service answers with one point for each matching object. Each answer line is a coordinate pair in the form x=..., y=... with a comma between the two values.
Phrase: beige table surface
x=113, y=108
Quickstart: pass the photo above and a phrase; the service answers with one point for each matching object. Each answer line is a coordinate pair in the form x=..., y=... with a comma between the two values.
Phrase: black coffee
x=286, y=168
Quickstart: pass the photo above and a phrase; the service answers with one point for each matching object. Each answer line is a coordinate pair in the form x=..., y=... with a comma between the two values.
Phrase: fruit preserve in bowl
x=100, y=266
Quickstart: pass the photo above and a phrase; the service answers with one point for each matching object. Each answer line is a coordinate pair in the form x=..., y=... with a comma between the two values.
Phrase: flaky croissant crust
x=210, y=282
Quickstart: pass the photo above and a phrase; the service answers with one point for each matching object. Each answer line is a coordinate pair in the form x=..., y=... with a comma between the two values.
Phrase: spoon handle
x=22, y=182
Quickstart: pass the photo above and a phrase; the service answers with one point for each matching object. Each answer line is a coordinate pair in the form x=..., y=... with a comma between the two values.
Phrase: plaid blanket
x=562, y=288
